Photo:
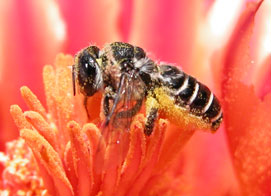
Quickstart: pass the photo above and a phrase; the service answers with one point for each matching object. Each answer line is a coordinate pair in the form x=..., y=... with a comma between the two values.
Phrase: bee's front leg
x=152, y=107
x=108, y=95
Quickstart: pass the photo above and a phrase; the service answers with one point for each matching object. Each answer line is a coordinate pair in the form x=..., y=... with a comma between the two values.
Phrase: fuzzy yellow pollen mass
x=179, y=116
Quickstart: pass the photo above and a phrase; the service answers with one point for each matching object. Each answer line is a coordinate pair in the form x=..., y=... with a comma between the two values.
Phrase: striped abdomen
x=191, y=94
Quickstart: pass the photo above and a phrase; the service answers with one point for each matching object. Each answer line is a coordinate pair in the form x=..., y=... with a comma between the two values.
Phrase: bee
x=128, y=79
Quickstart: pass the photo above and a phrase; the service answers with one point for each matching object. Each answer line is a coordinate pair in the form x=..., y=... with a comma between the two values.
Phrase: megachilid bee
x=128, y=78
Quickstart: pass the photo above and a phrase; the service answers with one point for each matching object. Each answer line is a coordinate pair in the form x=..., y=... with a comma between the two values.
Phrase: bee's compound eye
x=89, y=76
x=88, y=64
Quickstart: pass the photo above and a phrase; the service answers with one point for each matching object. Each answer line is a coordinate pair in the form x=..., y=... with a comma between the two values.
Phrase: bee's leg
x=106, y=104
x=86, y=104
x=152, y=107
x=131, y=112
x=128, y=114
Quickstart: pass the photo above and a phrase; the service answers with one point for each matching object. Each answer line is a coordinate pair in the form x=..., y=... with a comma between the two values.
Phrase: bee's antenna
x=73, y=81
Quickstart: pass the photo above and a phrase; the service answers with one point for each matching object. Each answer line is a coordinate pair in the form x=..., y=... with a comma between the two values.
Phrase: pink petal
x=82, y=160
x=49, y=162
x=90, y=22
x=28, y=41
x=247, y=118
x=166, y=29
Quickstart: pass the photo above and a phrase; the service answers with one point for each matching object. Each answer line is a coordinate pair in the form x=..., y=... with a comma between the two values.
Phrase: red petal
x=167, y=30
x=82, y=160
x=125, y=18
x=98, y=145
x=175, y=140
x=18, y=117
x=237, y=62
x=263, y=79
x=69, y=166
x=39, y=123
x=49, y=162
x=134, y=157
x=32, y=101
x=90, y=22
x=113, y=159
x=150, y=160
x=247, y=118
x=25, y=29
x=49, y=81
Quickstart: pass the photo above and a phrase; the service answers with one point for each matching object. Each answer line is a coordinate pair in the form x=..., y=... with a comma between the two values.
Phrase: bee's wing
x=116, y=128
x=129, y=104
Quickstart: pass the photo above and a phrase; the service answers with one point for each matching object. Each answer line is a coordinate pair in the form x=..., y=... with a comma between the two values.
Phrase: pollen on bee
x=176, y=114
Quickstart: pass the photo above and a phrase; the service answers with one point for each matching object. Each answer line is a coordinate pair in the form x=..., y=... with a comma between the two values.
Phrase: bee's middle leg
x=131, y=112
x=106, y=104
x=152, y=107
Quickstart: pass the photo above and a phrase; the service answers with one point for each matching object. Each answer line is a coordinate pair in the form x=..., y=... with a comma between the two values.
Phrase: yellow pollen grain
x=99, y=61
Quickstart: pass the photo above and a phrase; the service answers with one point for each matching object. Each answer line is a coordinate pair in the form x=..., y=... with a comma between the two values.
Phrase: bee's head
x=87, y=72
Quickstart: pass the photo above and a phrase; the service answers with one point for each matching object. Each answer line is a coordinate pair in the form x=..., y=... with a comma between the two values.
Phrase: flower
x=247, y=119
x=73, y=157
x=20, y=175
x=210, y=39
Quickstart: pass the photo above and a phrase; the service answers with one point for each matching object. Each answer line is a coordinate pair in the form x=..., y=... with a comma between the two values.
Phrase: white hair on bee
x=98, y=78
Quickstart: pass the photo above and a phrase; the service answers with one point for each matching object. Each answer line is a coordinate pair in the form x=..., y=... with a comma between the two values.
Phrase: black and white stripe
x=193, y=95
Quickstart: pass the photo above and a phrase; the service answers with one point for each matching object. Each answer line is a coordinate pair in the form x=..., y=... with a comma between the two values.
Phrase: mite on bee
x=128, y=78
